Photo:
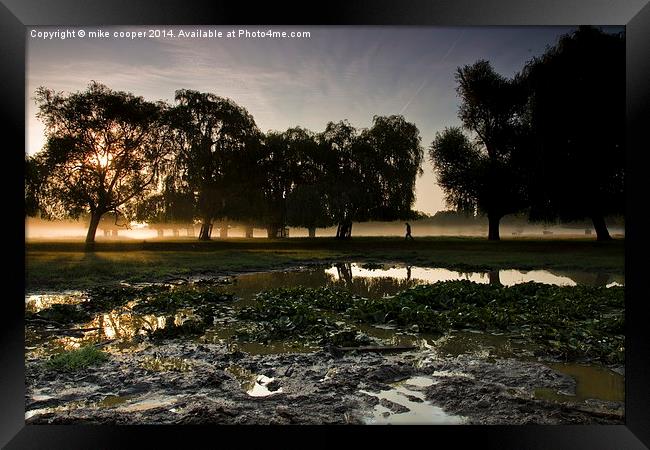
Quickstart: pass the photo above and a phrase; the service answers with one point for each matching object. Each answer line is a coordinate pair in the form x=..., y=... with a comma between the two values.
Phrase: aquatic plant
x=60, y=314
x=173, y=300
x=568, y=322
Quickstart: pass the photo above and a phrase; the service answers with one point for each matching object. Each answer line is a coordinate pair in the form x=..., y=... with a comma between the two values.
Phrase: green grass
x=65, y=265
x=77, y=359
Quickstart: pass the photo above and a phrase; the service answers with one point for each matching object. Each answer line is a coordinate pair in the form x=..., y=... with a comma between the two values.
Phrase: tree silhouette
x=482, y=174
x=343, y=155
x=216, y=142
x=103, y=150
x=577, y=115
x=307, y=203
x=289, y=161
x=394, y=163
x=371, y=173
x=33, y=182
x=307, y=207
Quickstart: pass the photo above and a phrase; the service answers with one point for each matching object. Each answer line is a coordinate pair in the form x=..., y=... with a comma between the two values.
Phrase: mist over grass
x=65, y=264
x=39, y=230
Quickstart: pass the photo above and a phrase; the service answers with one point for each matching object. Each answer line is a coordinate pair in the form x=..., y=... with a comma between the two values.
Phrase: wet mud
x=185, y=383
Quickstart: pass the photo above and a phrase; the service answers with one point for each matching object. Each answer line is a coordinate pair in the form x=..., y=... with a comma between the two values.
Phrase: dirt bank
x=187, y=383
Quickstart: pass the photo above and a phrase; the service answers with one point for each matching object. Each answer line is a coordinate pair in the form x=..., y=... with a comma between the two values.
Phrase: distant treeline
x=451, y=218
x=547, y=144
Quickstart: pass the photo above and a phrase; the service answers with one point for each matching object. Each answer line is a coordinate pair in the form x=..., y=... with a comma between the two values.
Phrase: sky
x=336, y=73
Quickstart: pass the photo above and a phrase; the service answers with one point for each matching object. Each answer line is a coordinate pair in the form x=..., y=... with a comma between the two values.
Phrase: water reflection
x=592, y=382
x=125, y=330
x=124, y=327
x=402, y=405
x=37, y=302
x=346, y=274
x=121, y=328
x=339, y=276
x=254, y=385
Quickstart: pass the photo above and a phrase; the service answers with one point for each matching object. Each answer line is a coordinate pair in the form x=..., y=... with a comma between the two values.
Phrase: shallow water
x=415, y=410
x=158, y=364
x=592, y=382
x=255, y=385
x=38, y=302
x=126, y=331
x=505, y=277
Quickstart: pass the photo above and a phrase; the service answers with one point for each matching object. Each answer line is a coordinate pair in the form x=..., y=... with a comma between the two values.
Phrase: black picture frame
x=16, y=15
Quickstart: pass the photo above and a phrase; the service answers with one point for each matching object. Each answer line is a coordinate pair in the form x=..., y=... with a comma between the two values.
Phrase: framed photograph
x=372, y=215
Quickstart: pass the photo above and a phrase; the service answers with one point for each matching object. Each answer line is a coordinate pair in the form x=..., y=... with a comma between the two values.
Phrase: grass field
x=65, y=264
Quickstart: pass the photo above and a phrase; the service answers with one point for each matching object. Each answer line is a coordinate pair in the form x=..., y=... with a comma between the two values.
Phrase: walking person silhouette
x=408, y=232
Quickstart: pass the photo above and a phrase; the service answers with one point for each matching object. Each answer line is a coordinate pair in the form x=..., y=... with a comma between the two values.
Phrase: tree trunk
x=272, y=231
x=223, y=230
x=206, y=229
x=344, y=230
x=249, y=232
x=493, y=276
x=602, y=234
x=312, y=232
x=601, y=279
x=493, y=227
x=92, y=228
x=344, y=271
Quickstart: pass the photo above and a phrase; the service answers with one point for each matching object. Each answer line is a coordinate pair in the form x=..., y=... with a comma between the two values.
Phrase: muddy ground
x=180, y=382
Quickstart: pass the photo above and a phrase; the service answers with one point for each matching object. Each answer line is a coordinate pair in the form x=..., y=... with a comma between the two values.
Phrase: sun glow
x=103, y=160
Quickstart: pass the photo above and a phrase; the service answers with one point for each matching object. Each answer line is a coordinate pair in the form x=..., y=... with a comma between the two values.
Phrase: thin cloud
x=426, y=80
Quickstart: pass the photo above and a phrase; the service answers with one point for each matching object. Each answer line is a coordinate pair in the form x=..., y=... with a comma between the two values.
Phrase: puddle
x=254, y=385
x=125, y=330
x=420, y=382
x=146, y=404
x=109, y=401
x=403, y=406
x=157, y=364
x=261, y=387
x=37, y=302
x=505, y=277
x=123, y=326
x=450, y=373
x=114, y=400
x=480, y=345
x=592, y=382
x=34, y=412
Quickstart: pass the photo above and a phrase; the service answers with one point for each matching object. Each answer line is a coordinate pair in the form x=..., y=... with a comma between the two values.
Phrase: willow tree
x=307, y=204
x=577, y=116
x=103, y=150
x=216, y=147
x=371, y=173
x=392, y=166
x=491, y=109
x=348, y=198
x=294, y=185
